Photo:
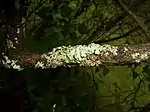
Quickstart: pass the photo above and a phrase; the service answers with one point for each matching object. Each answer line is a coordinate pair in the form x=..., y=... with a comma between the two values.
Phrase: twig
x=140, y=22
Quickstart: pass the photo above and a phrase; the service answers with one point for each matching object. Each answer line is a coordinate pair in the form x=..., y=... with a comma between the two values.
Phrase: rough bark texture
x=80, y=55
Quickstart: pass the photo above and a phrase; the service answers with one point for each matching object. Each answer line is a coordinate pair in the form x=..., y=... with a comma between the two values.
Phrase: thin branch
x=119, y=37
x=140, y=22
x=80, y=55
x=104, y=27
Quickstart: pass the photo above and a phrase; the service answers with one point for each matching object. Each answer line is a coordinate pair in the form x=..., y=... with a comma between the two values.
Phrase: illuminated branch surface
x=80, y=55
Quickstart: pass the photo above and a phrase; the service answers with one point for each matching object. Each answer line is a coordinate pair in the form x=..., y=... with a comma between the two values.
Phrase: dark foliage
x=10, y=8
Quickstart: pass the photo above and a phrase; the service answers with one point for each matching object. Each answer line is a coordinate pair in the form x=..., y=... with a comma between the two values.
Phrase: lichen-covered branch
x=81, y=55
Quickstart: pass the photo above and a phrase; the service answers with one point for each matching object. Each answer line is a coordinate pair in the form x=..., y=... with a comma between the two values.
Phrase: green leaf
x=70, y=27
x=149, y=87
x=105, y=71
x=65, y=10
x=139, y=69
x=83, y=28
x=145, y=6
x=44, y=44
x=50, y=31
x=146, y=69
x=45, y=12
x=134, y=75
x=73, y=37
x=148, y=78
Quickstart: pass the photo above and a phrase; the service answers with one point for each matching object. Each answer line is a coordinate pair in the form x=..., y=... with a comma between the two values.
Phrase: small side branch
x=140, y=22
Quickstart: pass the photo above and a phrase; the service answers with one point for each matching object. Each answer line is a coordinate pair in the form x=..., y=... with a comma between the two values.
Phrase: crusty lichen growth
x=13, y=38
x=79, y=54
x=138, y=57
x=11, y=63
x=10, y=44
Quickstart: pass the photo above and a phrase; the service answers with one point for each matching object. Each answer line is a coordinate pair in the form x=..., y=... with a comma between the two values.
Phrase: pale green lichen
x=16, y=40
x=39, y=64
x=11, y=63
x=144, y=56
x=10, y=44
x=54, y=108
x=23, y=20
x=125, y=49
x=61, y=56
x=18, y=30
x=138, y=57
x=81, y=55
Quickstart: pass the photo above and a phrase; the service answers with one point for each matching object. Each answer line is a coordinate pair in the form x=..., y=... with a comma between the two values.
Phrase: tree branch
x=80, y=55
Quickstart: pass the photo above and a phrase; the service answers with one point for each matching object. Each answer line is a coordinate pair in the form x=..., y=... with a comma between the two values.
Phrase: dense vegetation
x=52, y=23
